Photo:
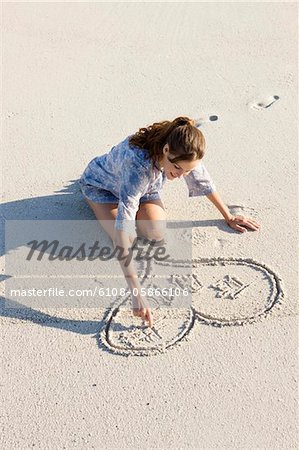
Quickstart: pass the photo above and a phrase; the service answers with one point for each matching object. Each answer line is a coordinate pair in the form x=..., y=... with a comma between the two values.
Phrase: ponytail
x=185, y=140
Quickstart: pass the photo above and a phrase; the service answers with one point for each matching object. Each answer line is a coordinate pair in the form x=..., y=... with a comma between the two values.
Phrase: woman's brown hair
x=185, y=141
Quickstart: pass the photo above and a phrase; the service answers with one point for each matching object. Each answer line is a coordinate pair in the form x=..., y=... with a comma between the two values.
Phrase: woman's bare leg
x=151, y=220
x=106, y=215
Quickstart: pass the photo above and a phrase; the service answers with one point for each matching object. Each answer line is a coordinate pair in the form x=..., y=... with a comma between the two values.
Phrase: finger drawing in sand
x=123, y=188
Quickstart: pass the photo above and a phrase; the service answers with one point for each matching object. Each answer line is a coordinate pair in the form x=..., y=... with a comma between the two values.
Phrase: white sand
x=78, y=78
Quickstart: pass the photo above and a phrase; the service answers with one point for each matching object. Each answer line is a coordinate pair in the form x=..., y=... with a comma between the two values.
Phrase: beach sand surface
x=77, y=79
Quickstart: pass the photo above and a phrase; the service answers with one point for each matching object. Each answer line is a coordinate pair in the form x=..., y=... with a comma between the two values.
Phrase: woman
x=124, y=185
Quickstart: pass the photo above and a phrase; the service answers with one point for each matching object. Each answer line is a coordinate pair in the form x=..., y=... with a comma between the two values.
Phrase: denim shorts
x=98, y=195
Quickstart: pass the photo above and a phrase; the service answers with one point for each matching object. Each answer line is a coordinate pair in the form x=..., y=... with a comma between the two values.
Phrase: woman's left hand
x=241, y=223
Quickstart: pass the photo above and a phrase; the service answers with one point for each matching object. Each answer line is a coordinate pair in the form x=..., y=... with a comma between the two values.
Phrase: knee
x=153, y=234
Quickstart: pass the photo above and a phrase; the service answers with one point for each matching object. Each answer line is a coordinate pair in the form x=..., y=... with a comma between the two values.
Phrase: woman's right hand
x=141, y=311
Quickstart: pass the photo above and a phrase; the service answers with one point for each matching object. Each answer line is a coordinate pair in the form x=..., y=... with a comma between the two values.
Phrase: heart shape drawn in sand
x=225, y=291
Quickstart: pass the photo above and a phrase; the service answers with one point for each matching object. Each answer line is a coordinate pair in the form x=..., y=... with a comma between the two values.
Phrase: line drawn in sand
x=248, y=290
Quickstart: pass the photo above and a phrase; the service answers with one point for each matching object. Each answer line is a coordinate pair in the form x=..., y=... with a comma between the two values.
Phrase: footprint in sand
x=265, y=103
x=220, y=243
x=199, y=237
x=225, y=291
x=205, y=119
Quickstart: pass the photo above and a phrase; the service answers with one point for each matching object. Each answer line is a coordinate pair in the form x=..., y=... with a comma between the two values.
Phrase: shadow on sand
x=66, y=204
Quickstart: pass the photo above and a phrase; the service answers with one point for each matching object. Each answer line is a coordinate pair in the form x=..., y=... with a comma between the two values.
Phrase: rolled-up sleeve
x=134, y=183
x=199, y=182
